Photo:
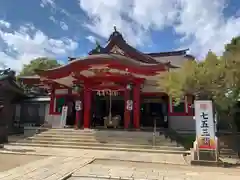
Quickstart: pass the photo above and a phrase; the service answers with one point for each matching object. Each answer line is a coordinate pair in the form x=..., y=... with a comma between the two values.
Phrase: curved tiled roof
x=113, y=61
x=106, y=57
x=7, y=77
x=116, y=39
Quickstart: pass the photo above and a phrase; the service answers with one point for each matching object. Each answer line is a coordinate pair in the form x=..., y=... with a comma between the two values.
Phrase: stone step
x=122, y=134
x=105, y=148
x=98, y=144
x=114, y=141
x=138, y=139
x=98, y=133
x=103, y=140
x=107, y=133
x=235, y=156
x=229, y=153
x=101, y=136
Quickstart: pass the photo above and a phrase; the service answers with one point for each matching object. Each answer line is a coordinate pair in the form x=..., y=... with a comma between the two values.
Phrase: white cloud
x=63, y=25
x=5, y=24
x=27, y=43
x=53, y=19
x=201, y=23
x=205, y=22
x=92, y=39
x=45, y=3
x=106, y=14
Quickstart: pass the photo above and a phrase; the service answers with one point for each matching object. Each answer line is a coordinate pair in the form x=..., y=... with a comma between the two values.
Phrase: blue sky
x=61, y=28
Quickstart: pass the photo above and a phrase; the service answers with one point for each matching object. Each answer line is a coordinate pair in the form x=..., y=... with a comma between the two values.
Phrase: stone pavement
x=49, y=168
x=97, y=165
x=146, y=171
x=100, y=154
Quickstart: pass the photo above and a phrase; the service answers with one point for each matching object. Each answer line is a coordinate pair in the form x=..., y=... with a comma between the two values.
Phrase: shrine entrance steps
x=135, y=141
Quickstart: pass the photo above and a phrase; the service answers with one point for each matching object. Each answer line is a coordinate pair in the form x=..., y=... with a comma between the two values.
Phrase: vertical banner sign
x=205, y=133
x=78, y=105
x=64, y=116
x=129, y=105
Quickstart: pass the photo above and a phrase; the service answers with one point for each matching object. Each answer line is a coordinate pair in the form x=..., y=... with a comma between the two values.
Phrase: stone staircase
x=103, y=140
x=226, y=152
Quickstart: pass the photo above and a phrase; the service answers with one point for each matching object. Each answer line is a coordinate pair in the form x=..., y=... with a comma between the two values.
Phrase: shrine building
x=115, y=86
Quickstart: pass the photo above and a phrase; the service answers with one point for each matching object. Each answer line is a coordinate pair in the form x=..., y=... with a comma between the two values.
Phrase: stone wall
x=184, y=123
x=6, y=119
x=54, y=120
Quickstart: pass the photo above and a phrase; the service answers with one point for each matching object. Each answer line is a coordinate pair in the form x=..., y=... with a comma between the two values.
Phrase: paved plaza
x=102, y=154
x=150, y=171
x=83, y=164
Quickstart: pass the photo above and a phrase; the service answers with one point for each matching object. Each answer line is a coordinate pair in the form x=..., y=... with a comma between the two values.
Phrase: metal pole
x=216, y=138
x=215, y=122
x=154, y=132
x=110, y=106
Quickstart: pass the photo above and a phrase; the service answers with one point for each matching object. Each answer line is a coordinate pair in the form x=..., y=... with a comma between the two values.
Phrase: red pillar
x=136, y=106
x=87, y=106
x=77, y=119
x=126, y=111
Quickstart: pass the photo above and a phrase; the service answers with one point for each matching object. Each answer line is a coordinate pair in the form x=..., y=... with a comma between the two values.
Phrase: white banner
x=129, y=105
x=64, y=116
x=205, y=133
x=78, y=105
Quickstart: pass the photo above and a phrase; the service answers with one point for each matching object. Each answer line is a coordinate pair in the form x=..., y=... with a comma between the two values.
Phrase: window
x=179, y=108
x=60, y=101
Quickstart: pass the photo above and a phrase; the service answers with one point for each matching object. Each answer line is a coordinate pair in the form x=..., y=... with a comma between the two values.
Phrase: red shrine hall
x=115, y=86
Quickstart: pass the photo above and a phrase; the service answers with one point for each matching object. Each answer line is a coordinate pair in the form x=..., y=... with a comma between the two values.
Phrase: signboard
x=104, y=69
x=78, y=105
x=205, y=131
x=107, y=92
x=64, y=116
x=129, y=105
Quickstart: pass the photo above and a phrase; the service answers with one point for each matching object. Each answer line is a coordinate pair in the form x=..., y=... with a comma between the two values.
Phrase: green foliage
x=215, y=78
x=38, y=63
x=233, y=46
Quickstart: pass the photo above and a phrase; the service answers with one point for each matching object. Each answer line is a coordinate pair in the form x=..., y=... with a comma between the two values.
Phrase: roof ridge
x=168, y=53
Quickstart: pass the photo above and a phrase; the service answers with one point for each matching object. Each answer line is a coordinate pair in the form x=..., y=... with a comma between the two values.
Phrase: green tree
x=201, y=79
x=38, y=63
x=233, y=46
x=214, y=78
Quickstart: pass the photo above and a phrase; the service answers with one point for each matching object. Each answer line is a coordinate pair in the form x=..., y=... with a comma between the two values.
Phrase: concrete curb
x=98, y=148
x=103, y=177
x=116, y=159
x=135, y=161
x=25, y=153
x=68, y=175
